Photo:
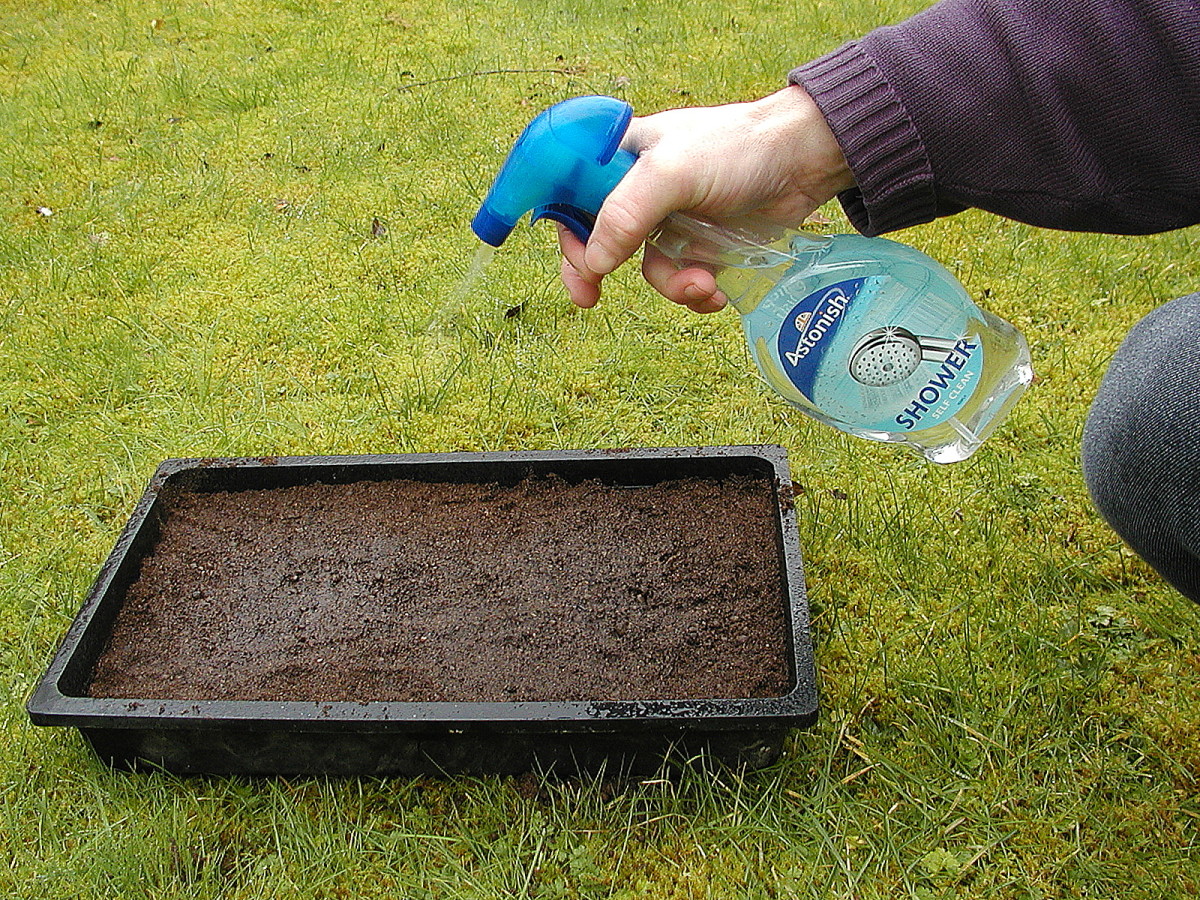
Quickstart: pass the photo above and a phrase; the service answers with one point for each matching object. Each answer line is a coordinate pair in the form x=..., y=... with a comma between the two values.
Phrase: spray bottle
x=865, y=334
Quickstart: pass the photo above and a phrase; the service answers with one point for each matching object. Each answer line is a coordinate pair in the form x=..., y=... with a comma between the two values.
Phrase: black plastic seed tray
x=408, y=738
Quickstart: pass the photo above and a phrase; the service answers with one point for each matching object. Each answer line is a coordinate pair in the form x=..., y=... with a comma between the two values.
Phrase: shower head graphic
x=886, y=356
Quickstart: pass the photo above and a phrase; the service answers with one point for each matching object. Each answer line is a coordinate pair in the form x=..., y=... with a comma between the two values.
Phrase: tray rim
x=50, y=705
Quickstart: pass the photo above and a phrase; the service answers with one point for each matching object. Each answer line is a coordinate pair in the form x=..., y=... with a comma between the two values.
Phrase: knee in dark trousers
x=1141, y=443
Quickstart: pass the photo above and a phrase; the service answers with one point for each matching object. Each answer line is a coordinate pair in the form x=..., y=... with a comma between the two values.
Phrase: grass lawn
x=240, y=228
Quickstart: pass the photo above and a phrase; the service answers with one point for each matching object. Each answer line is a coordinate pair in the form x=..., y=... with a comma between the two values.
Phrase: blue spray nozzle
x=563, y=165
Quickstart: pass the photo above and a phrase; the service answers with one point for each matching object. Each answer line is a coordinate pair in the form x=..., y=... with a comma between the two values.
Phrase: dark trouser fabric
x=1141, y=443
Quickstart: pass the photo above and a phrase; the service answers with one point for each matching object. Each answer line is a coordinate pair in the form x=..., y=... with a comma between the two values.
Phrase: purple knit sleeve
x=1073, y=114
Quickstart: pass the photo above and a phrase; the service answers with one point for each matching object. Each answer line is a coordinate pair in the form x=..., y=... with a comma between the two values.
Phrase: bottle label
x=880, y=365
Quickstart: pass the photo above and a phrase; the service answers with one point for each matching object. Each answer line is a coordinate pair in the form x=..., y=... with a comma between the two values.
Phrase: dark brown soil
x=403, y=590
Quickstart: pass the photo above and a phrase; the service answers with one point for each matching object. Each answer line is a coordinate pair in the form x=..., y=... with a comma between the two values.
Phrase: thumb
x=636, y=206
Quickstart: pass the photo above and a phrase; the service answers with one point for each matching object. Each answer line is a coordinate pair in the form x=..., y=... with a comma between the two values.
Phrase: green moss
x=257, y=244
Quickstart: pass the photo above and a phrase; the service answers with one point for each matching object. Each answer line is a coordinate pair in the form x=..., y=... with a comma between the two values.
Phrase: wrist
x=795, y=125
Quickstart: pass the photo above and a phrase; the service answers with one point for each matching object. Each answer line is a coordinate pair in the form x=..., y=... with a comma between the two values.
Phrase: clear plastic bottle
x=867, y=335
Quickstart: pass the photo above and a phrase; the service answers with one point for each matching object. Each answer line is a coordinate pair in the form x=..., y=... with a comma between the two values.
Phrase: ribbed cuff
x=877, y=137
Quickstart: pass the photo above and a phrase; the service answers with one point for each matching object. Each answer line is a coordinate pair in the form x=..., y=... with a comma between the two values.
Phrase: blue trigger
x=563, y=165
x=579, y=221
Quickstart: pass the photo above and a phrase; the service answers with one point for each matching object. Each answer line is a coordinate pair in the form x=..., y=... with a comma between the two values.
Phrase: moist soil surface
x=404, y=590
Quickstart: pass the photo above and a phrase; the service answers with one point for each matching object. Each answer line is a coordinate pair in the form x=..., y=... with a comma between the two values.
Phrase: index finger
x=582, y=285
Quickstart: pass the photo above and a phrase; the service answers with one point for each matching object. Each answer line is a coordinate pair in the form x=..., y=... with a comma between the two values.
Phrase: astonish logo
x=813, y=326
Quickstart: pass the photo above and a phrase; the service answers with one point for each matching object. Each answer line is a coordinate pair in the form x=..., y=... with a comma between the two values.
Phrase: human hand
x=774, y=158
